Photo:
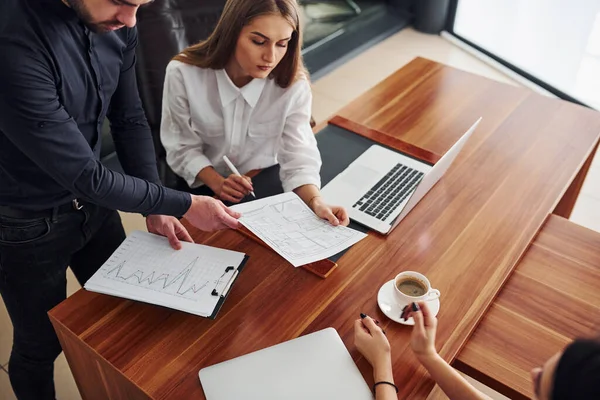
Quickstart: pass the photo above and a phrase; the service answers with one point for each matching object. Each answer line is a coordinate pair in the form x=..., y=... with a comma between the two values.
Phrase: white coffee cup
x=422, y=281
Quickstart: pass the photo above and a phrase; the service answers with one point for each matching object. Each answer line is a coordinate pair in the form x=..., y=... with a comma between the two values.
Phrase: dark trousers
x=34, y=256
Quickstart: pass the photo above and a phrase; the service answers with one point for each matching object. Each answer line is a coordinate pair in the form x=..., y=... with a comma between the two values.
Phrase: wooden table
x=552, y=297
x=467, y=235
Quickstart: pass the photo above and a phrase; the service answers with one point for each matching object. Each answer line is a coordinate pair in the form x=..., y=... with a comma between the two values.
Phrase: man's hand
x=210, y=214
x=170, y=227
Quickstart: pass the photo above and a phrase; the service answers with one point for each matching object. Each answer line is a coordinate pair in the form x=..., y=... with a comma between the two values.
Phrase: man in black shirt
x=66, y=65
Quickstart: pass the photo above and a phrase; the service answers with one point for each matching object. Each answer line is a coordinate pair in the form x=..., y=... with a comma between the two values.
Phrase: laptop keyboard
x=387, y=194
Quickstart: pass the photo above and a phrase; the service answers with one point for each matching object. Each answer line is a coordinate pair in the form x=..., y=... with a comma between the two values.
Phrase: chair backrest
x=165, y=27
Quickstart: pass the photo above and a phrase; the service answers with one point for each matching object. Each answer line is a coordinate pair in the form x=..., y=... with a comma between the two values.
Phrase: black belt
x=14, y=212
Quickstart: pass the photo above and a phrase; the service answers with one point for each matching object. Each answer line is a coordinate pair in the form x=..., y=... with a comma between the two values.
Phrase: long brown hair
x=216, y=51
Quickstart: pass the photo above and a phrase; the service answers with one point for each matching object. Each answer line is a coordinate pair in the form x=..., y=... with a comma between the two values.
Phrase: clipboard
x=227, y=290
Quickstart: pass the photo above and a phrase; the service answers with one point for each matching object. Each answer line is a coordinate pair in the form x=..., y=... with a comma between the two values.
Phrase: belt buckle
x=76, y=205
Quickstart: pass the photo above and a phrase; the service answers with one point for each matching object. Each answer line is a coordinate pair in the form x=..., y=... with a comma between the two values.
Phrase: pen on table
x=234, y=170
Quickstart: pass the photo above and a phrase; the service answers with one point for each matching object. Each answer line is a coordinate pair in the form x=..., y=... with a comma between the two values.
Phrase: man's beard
x=84, y=15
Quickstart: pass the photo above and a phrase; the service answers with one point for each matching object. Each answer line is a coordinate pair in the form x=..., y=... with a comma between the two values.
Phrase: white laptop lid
x=348, y=188
x=435, y=174
x=316, y=366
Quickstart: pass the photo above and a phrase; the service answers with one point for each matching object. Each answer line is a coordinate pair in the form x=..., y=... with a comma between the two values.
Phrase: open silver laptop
x=381, y=186
x=316, y=366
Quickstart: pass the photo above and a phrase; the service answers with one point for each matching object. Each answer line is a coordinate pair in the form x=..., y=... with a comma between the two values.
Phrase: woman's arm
x=183, y=146
x=422, y=342
x=308, y=193
x=374, y=346
x=449, y=380
x=298, y=155
x=383, y=373
x=211, y=178
x=300, y=159
x=233, y=188
x=311, y=195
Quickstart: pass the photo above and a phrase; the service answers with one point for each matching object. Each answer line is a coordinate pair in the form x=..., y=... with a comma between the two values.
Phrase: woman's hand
x=336, y=215
x=234, y=188
x=373, y=344
x=422, y=340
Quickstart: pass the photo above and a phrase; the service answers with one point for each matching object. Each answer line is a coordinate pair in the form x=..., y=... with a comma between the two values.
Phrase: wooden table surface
x=552, y=297
x=466, y=236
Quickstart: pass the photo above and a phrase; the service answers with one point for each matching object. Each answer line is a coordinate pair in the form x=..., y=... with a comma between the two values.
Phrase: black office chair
x=165, y=28
x=353, y=10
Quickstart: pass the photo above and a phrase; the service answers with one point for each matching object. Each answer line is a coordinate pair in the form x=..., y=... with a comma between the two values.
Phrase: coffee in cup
x=410, y=286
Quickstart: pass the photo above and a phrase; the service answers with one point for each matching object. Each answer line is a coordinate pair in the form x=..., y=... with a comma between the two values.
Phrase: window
x=555, y=43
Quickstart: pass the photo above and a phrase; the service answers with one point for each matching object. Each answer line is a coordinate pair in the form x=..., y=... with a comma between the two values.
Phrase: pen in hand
x=235, y=171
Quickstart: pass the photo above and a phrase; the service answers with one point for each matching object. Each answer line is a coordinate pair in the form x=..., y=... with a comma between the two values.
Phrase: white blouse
x=205, y=116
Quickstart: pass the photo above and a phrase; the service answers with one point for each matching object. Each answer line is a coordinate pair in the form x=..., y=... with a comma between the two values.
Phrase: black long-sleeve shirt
x=58, y=81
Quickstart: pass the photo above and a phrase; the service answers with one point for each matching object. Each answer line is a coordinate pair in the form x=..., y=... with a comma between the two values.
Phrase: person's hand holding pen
x=422, y=339
x=372, y=343
x=236, y=186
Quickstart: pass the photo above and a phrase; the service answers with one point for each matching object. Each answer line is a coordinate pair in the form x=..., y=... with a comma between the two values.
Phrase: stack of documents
x=195, y=279
x=291, y=228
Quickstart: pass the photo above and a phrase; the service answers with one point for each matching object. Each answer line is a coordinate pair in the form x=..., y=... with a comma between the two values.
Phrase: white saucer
x=387, y=304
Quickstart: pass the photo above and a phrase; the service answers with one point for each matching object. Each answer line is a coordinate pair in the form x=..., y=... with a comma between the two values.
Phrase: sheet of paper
x=289, y=226
x=146, y=268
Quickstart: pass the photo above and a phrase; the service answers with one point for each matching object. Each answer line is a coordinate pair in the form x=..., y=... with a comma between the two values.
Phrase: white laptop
x=381, y=186
x=316, y=366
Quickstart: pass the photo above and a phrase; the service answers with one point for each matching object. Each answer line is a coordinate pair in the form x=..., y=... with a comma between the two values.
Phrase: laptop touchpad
x=360, y=176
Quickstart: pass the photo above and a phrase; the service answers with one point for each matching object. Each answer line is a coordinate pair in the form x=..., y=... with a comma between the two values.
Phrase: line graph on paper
x=178, y=285
x=161, y=269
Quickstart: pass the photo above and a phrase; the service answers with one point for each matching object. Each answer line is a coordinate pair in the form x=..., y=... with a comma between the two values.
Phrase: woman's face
x=262, y=44
x=543, y=378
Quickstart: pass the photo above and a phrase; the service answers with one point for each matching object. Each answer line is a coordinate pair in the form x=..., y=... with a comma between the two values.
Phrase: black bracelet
x=385, y=383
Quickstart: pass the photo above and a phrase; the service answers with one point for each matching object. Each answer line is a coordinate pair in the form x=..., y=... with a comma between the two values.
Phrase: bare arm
x=374, y=346
x=211, y=178
x=449, y=380
x=311, y=195
x=308, y=193
x=383, y=373
x=422, y=343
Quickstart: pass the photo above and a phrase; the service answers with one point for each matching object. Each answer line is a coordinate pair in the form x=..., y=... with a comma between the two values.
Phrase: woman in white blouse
x=244, y=93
